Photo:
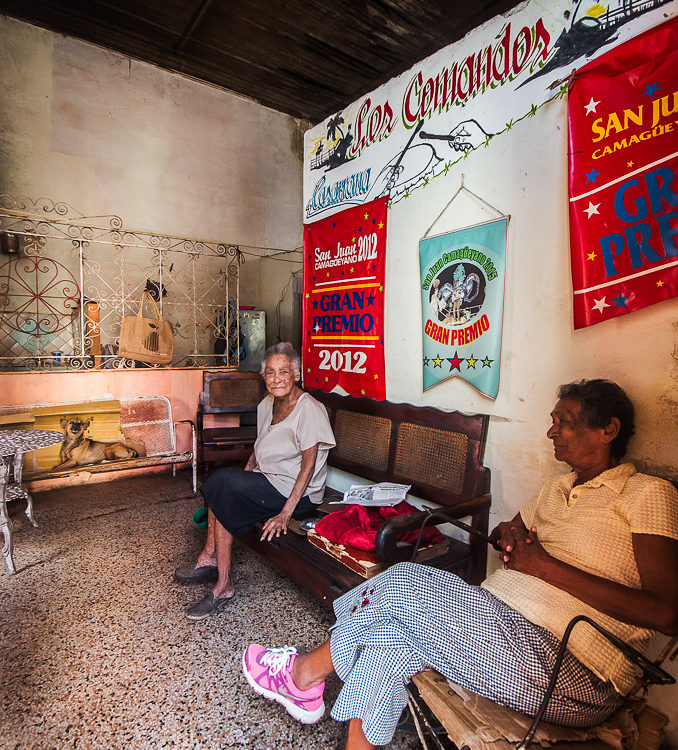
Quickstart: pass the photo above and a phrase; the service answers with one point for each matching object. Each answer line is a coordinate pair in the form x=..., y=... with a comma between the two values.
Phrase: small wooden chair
x=229, y=392
x=443, y=720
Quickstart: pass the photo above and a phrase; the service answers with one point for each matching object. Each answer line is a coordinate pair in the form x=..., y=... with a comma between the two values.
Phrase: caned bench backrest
x=439, y=453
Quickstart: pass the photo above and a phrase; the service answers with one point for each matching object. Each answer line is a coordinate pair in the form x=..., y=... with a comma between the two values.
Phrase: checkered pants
x=412, y=617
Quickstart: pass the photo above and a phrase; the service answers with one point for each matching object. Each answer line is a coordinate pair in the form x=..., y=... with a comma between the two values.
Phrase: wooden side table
x=14, y=444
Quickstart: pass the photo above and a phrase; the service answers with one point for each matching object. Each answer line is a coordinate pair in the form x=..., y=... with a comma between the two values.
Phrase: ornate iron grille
x=68, y=280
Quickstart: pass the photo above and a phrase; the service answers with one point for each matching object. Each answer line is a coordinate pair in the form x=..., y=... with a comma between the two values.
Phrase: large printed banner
x=462, y=302
x=623, y=178
x=464, y=97
x=344, y=262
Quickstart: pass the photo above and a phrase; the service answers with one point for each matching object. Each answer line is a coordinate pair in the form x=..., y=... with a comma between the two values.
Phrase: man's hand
x=508, y=534
x=275, y=526
x=527, y=555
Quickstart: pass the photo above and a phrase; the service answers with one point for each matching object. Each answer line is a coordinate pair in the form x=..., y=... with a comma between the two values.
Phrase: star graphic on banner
x=352, y=269
x=362, y=392
x=315, y=304
x=651, y=89
x=591, y=106
x=352, y=239
x=592, y=209
x=307, y=295
x=592, y=175
x=437, y=361
x=366, y=216
x=376, y=377
x=374, y=221
x=374, y=268
x=317, y=327
x=360, y=229
x=600, y=305
x=619, y=301
x=426, y=361
x=455, y=362
x=471, y=362
x=370, y=299
x=309, y=257
x=487, y=362
x=308, y=369
x=660, y=283
x=334, y=224
x=592, y=255
x=309, y=348
x=629, y=164
x=342, y=272
x=381, y=288
x=380, y=225
x=328, y=274
x=326, y=378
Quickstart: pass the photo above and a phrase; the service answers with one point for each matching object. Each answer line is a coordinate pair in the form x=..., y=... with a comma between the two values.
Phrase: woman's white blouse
x=278, y=447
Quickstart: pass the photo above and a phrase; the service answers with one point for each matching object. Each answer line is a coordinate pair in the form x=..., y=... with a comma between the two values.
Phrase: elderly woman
x=601, y=541
x=284, y=477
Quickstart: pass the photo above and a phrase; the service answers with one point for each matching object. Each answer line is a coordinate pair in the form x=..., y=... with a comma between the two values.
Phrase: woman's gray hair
x=285, y=348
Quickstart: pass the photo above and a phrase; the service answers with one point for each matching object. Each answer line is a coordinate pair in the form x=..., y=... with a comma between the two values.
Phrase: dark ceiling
x=307, y=58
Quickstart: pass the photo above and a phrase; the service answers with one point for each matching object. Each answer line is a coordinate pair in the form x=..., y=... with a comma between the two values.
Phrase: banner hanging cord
x=463, y=187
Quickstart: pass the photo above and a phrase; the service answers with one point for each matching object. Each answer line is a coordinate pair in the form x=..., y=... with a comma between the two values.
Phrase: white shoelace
x=276, y=658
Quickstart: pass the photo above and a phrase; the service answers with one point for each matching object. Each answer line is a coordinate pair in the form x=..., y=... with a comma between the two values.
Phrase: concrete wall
x=524, y=175
x=110, y=135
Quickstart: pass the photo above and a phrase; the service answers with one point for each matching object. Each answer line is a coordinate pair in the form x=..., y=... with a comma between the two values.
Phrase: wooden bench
x=438, y=453
x=143, y=421
x=233, y=393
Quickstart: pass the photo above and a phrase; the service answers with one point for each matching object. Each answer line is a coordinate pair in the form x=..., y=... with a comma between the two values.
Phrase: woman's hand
x=275, y=526
x=251, y=464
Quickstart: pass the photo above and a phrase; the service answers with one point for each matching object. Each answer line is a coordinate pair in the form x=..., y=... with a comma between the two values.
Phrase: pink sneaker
x=268, y=672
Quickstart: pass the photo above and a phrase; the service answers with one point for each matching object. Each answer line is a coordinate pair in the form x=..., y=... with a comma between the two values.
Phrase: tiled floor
x=95, y=651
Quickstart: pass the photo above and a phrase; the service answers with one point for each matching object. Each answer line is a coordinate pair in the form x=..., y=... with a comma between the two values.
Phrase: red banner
x=623, y=177
x=344, y=262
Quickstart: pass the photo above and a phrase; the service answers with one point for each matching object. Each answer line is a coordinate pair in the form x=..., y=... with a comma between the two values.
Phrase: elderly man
x=600, y=541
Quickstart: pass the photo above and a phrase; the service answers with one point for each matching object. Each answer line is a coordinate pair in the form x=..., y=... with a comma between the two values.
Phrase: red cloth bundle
x=357, y=526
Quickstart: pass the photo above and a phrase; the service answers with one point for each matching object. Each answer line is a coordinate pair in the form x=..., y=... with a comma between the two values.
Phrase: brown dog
x=77, y=450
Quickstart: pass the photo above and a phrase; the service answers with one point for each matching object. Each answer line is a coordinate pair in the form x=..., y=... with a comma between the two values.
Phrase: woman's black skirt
x=239, y=499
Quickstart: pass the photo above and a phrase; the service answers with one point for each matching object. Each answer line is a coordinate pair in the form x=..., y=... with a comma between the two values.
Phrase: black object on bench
x=439, y=453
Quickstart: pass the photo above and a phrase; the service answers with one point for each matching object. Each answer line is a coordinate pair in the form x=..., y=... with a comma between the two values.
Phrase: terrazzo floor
x=95, y=651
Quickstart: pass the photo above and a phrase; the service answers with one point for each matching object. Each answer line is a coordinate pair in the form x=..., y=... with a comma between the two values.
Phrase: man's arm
x=654, y=605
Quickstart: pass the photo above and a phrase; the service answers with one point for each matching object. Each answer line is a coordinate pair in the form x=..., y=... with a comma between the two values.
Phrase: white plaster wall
x=524, y=174
x=111, y=135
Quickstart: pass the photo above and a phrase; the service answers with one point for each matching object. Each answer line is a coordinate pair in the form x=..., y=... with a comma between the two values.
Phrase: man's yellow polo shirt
x=590, y=527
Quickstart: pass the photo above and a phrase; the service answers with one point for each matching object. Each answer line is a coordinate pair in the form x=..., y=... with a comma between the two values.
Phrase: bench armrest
x=388, y=534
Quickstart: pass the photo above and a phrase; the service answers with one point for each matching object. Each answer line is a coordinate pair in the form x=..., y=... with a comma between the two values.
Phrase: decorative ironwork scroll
x=68, y=280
